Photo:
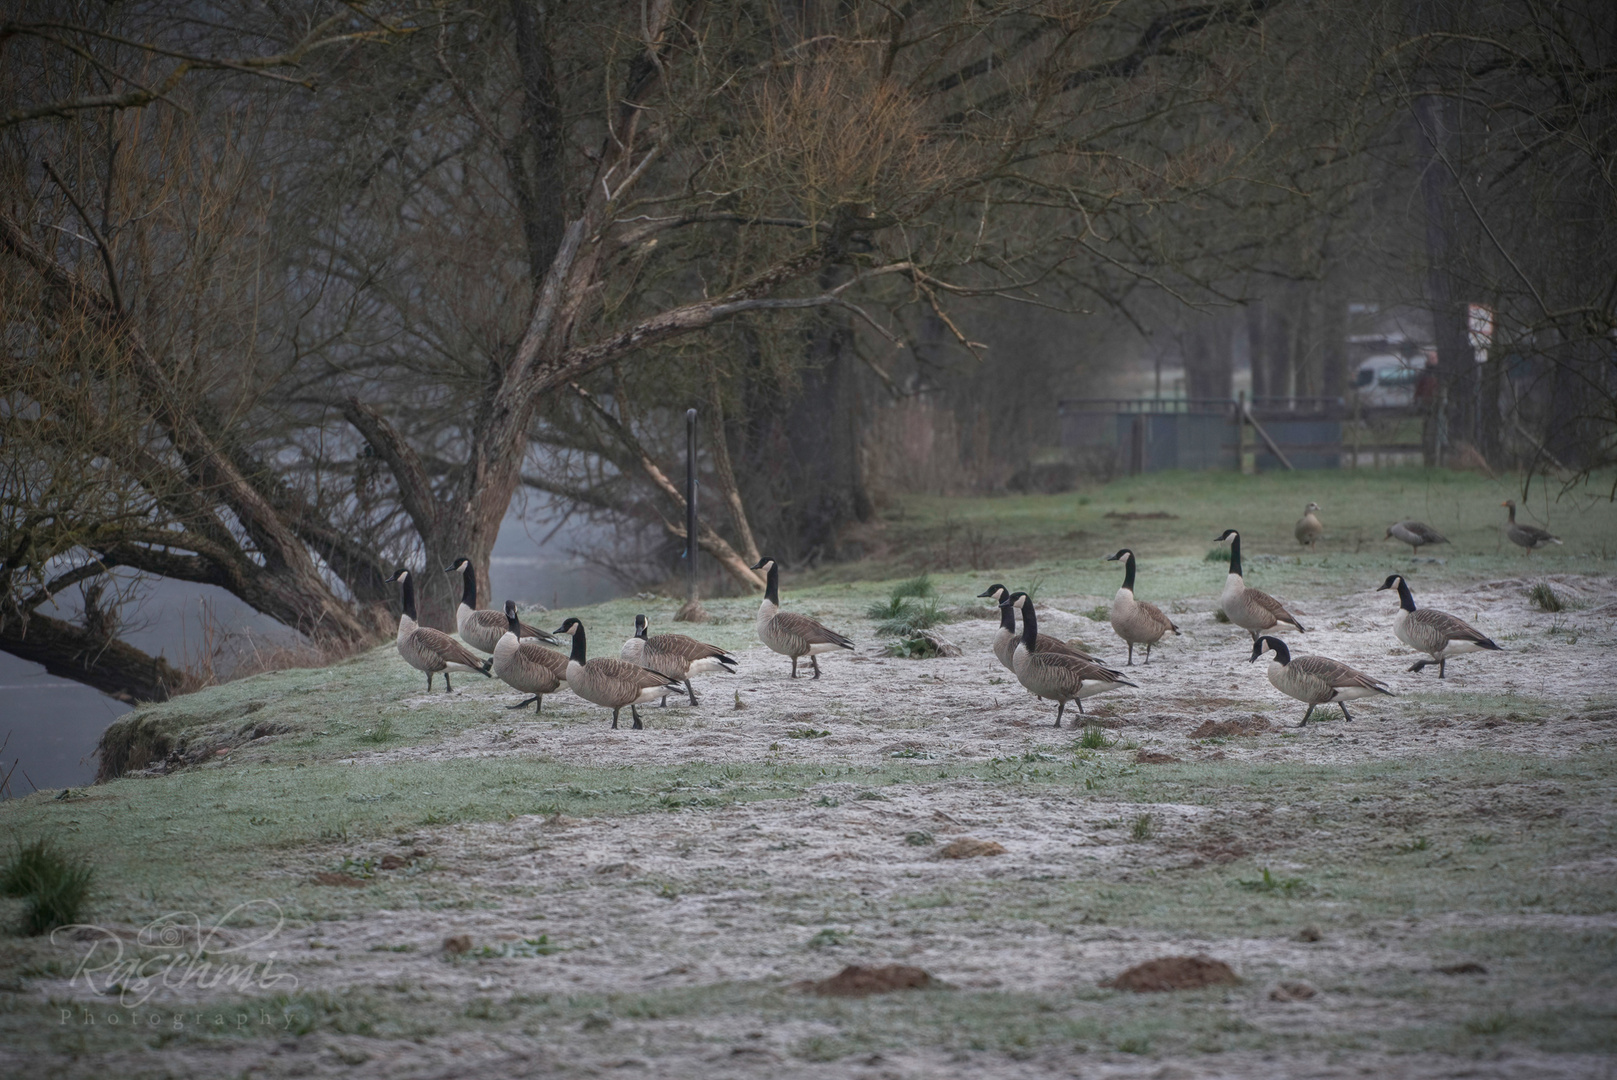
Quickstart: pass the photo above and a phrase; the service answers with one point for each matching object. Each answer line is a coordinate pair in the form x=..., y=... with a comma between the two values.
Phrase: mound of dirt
x=968, y=848
x=1154, y=757
x=1174, y=973
x=1211, y=729
x=857, y=981
x=347, y=880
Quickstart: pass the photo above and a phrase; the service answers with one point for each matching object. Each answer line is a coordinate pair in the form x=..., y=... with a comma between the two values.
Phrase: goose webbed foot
x=815, y=660
x=691, y=693
x=1419, y=665
x=447, y=688
x=634, y=712
x=1345, y=714
x=1061, y=707
x=524, y=703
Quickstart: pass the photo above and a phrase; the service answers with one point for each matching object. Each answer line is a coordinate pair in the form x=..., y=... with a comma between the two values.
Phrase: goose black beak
x=1111, y=558
x=985, y=595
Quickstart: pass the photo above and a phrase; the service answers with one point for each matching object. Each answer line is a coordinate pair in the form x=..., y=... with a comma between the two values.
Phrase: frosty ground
x=447, y=888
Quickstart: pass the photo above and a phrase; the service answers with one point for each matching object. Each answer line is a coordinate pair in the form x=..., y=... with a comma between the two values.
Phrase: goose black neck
x=513, y=625
x=578, y=644
x=1235, y=554
x=407, y=597
x=1282, y=654
x=1007, y=618
x=1406, y=599
x=640, y=631
x=772, y=585
x=1030, y=625
x=468, y=589
x=1128, y=573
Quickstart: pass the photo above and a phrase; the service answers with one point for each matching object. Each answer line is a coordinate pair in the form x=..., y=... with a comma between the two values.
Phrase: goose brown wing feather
x=1154, y=613
x=1273, y=606
x=645, y=678
x=452, y=651
x=688, y=648
x=1450, y=627
x=1054, y=646
x=809, y=630
x=1336, y=674
x=550, y=658
x=1081, y=668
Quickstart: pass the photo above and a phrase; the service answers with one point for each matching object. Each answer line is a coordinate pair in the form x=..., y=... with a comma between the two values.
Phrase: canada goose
x=1316, y=680
x=791, y=634
x=1436, y=633
x=1055, y=676
x=429, y=650
x=1526, y=537
x=484, y=629
x=527, y=665
x=1309, y=529
x=612, y=682
x=675, y=655
x=1136, y=621
x=1253, y=610
x=1415, y=533
x=1006, y=639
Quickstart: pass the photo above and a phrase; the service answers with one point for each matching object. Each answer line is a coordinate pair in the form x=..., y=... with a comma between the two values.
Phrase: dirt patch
x=1138, y=515
x=968, y=848
x=345, y=880
x=1154, y=757
x=1292, y=991
x=393, y=862
x=1212, y=729
x=857, y=981
x=458, y=945
x=1174, y=973
x=1470, y=967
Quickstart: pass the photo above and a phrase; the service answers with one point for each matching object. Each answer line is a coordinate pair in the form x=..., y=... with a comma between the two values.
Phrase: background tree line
x=293, y=296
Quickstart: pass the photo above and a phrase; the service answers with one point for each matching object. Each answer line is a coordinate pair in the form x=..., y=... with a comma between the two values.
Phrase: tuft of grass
x=1420, y=843
x=381, y=733
x=1094, y=738
x=1268, y=883
x=1221, y=553
x=911, y=648
x=1099, y=613
x=1545, y=598
x=807, y=733
x=827, y=939
x=919, y=838
x=1219, y=616
x=921, y=588
x=1143, y=827
x=907, y=616
x=55, y=885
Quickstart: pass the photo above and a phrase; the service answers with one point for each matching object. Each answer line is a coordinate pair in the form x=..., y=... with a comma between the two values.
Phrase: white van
x=1388, y=380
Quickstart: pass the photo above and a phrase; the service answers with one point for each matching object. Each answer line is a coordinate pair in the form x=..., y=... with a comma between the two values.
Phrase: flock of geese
x=651, y=667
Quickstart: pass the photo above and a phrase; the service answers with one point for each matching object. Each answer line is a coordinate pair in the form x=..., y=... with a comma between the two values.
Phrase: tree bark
x=1456, y=364
x=74, y=652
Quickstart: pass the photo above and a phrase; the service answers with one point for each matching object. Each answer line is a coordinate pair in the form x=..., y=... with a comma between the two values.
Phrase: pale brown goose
x=1415, y=533
x=483, y=629
x=1315, y=680
x=429, y=650
x=791, y=634
x=1056, y=676
x=609, y=681
x=1309, y=528
x=1253, y=610
x=1526, y=537
x=675, y=655
x=1136, y=621
x=527, y=665
x=1006, y=639
x=1435, y=633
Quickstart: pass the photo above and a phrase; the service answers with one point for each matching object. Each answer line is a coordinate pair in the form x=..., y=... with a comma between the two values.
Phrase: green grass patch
x=53, y=885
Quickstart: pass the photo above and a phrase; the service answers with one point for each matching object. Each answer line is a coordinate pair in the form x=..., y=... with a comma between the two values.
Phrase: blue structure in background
x=1150, y=435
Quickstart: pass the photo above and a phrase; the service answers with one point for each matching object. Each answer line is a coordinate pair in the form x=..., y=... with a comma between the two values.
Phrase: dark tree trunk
x=1209, y=367
x=95, y=659
x=1456, y=363
x=1257, y=318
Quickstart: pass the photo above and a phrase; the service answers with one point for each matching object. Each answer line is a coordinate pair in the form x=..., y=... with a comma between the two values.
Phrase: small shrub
x=921, y=588
x=1219, y=616
x=1545, y=598
x=55, y=885
x=918, y=838
x=1420, y=843
x=1094, y=738
x=1217, y=554
x=1268, y=883
x=826, y=939
x=911, y=648
x=1143, y=828
x=907, y=616
x=806, y=733
x=1099, y=613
